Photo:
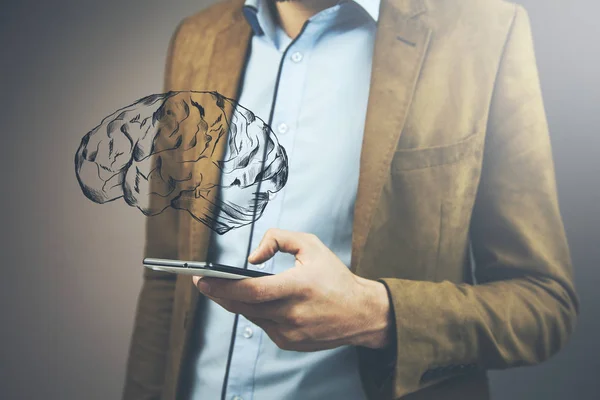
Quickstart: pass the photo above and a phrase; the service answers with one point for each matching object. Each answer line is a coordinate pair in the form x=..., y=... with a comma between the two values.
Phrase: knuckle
x=295, y=316
x=251, y=291
x=280, y=341
x=293, y=339
x=270, y=232
x=312, y=238
x=258, y=293
x=307, y=292
x=292, y=336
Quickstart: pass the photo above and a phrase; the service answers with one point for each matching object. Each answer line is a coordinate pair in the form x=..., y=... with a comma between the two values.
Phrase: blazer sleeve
x=524, y=306
x=149, y=347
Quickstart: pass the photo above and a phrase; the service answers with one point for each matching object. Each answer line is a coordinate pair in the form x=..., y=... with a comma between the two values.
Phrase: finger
x=275, y=311
x=276, y=240
x=263, y=323
x=250, y=290
x=196, y=279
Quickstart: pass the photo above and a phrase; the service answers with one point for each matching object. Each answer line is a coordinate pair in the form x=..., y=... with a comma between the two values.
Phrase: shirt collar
x=259, y=16
x=371, y=7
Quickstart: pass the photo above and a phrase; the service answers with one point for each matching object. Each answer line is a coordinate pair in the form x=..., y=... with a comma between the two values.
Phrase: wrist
x=377, y=314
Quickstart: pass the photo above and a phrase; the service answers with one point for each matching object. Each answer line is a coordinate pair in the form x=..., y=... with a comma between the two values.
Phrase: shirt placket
x=284, y=124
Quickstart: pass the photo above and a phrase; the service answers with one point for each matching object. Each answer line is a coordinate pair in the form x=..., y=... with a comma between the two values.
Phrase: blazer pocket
x=426, y=157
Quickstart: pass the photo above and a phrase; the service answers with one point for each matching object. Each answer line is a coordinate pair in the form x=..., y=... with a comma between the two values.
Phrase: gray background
x=71, y=269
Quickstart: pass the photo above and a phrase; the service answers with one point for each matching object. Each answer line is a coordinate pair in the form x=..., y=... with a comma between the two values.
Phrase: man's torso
x=422, y=151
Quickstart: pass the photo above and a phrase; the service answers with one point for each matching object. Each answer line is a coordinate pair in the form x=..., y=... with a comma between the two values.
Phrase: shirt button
x=248, y=332
x=282, y=128
x=297, y=57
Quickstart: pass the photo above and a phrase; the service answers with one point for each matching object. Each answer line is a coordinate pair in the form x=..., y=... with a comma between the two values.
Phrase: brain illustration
x=161, y=152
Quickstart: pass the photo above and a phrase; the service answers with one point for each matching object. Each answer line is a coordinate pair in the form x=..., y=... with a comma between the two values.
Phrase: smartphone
x=201, y=268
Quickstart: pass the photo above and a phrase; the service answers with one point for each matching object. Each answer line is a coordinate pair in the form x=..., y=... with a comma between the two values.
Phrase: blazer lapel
x=225, y=68
x=221, y=72
x=400, y=47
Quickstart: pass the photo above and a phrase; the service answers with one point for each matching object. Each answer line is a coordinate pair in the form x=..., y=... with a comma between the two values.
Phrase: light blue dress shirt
x=319, y=117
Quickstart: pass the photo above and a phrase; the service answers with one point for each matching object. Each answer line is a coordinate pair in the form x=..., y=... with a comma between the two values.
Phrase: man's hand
x=316, y=305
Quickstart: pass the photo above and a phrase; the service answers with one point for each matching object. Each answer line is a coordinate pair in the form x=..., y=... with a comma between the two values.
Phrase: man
x=418, y=241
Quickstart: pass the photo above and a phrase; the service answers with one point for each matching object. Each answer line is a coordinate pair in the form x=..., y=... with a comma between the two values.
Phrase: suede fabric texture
x=456, y=159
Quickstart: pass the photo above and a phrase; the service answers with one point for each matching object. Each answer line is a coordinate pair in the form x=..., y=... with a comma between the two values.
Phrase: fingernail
x=203, y=286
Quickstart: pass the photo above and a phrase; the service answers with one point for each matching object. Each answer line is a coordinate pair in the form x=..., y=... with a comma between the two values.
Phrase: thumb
x=276, y=240
x=196, y=279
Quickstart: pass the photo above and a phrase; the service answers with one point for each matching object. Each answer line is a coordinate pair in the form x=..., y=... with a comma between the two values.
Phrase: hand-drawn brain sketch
x=160, y=152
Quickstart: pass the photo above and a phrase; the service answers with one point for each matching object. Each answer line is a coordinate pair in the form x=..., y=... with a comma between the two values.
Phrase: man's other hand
x=316, y=305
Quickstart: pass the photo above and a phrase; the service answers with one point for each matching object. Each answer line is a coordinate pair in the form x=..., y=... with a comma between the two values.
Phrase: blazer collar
x=408, y=8
x=400, y=47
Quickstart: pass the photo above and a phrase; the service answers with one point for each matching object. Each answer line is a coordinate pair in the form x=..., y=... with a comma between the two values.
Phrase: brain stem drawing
x=162, y=151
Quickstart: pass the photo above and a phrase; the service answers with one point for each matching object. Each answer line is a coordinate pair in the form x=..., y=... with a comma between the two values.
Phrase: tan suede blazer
x=456, y=156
